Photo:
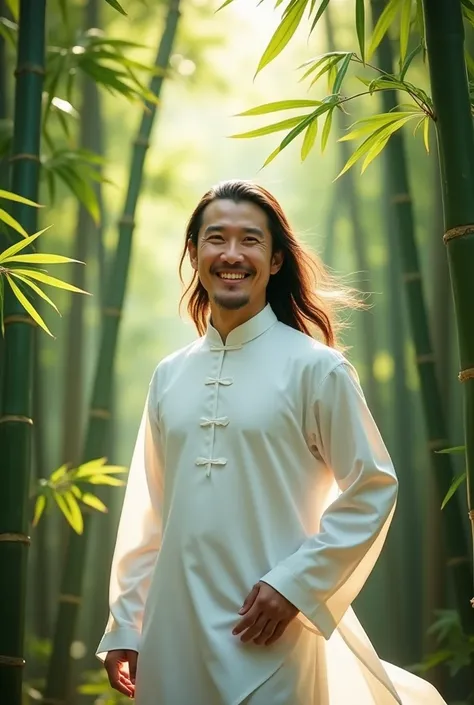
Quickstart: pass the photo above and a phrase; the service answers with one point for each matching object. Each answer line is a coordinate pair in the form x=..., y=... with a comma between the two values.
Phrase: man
x=260, y=491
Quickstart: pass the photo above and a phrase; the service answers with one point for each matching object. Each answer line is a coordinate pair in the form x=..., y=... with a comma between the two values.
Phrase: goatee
x=231, y=303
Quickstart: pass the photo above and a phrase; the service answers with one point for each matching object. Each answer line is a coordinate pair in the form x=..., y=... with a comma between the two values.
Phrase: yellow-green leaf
x=380, y=30
x=283, y=34
x=426, y=133
x=51, y=281
x=106, y=480
x=76, y=491
x=374, y=151
x=367, y=126
x=83, y=471
x=326, y=130
x=405, y=25
x=40, y=504
x=29, y=308
x=18, y=246
x=279, y=105
x=59, y=473
x=41, y=258
x=9, y=196
x=9, y=220
x=269, y=129
x=69, y=507
x=319, y=13
x=91, y=466
x=35, y=288
x=92, y=501
x=116, y=5
x=14, y=7
x=309, y=139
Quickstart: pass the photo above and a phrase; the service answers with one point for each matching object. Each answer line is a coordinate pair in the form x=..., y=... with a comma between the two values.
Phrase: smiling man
x=260, y=491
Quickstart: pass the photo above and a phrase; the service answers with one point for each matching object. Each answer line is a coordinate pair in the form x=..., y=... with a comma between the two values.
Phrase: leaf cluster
x=456, y=649
x=65, y=488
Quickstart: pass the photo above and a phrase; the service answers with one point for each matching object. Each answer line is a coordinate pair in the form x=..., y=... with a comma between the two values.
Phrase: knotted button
x=225, y=381
x=224, y=348
x=209, y=462
x=221, y=421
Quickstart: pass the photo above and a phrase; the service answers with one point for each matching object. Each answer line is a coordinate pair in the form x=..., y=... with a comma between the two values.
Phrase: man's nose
x=232, y=253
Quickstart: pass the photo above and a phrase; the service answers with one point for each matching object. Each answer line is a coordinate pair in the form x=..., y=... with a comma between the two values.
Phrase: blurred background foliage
x=211, y=79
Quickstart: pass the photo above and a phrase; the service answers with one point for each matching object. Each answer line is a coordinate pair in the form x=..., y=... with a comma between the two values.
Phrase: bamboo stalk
x=450, y=91
x=433, y=408
x=15, y=419
x=99, y=415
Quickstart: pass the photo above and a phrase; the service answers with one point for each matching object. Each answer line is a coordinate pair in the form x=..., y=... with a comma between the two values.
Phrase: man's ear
x=277, y=261
x=192, y=250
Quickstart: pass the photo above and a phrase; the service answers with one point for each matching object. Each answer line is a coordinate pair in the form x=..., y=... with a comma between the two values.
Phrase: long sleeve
x=325, y=575
x=138, y=538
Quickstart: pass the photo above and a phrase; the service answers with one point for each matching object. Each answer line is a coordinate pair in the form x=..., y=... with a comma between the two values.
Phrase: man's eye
x=251, y=239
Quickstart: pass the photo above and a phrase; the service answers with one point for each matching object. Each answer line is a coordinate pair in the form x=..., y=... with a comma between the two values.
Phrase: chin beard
x=231, y=303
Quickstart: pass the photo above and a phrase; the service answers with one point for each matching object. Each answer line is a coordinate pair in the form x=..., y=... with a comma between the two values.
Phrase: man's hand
x=121, y=667
x=267, y=615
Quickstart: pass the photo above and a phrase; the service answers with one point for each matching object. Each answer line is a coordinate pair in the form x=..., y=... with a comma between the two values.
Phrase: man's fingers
x=267, y=632
x=255, y=629
x=249, y=600
x=280, y=628
x=249, y=620
x=132, y=664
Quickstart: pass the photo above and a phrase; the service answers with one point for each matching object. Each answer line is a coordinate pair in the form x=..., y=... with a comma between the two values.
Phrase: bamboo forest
x=115, y=117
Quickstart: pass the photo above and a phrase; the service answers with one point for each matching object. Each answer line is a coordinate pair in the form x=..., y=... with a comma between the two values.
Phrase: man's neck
x=224, y=321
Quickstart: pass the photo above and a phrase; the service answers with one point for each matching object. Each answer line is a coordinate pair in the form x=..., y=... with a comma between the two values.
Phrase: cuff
x=123, y=638
x=286, y=584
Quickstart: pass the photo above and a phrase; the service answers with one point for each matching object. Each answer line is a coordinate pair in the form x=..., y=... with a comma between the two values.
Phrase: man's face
x=233, y=256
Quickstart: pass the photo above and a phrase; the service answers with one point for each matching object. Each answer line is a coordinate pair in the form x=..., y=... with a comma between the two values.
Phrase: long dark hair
x=302, y=294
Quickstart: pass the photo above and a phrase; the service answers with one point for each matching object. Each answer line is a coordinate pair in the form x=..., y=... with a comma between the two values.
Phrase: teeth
x=232, y=276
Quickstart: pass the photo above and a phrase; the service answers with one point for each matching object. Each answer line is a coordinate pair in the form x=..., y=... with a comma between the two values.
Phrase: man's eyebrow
x=253, y=229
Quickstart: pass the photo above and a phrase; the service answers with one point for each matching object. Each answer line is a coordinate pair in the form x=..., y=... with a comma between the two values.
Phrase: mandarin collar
x=246, y=332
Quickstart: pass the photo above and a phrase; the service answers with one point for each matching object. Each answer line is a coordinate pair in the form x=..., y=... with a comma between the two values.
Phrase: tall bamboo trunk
x=455, y=537
x=96, y=437
x=16, y=414
x=450, y=91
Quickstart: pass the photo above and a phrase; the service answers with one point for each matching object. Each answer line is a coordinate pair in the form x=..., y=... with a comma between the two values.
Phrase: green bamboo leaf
x=9, y=196
x=327, y=68
x=319, y=14
x=326, y=130
x=341, y=73
x=361, y=150
x=454, y=449
x=406, y=65
x=14, y=7
x=35, y=288
x=69, y=507
x=27, y=305
x=296, y=131
x=90, y=467
x=420, y=22
x=41, y=258
x=76, y=491
x=360, y=26
x=82, y=190
x=92, y=501
x=269, y=129
x=309, y=139
x=283, y=34
x=8, y=31
x=385, y=20
x=9, y=220
x=18, y=246
x=367, y=126
x=116, y=5
x=375, y=150
x=106, y=480
x=84, y=471
x=278, y=105
x=457, y=482
x=426, y=134
x=405, y=25
x=40, y=504
x=51, y=281
x=224, y=4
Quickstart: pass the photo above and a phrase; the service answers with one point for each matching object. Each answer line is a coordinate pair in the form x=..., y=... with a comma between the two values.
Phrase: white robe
x=255, y=460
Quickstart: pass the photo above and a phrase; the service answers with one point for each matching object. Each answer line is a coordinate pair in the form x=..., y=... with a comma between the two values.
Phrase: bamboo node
x=113, y=312
x=142, y=142
x=19, y=318
x=25, y=155
x=428, y=357
x=15, y=538
x=30, y=68
x=15, y=417
x=12, y=661
x=438, y=444
x=127, y=219
x=401, y=198
x=464, y=375
x=411, y=276
x=460, y=231
x=70, y=599
x=100, y=414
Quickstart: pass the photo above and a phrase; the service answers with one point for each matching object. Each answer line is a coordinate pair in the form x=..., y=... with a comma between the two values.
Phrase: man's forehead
x=229, y=212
